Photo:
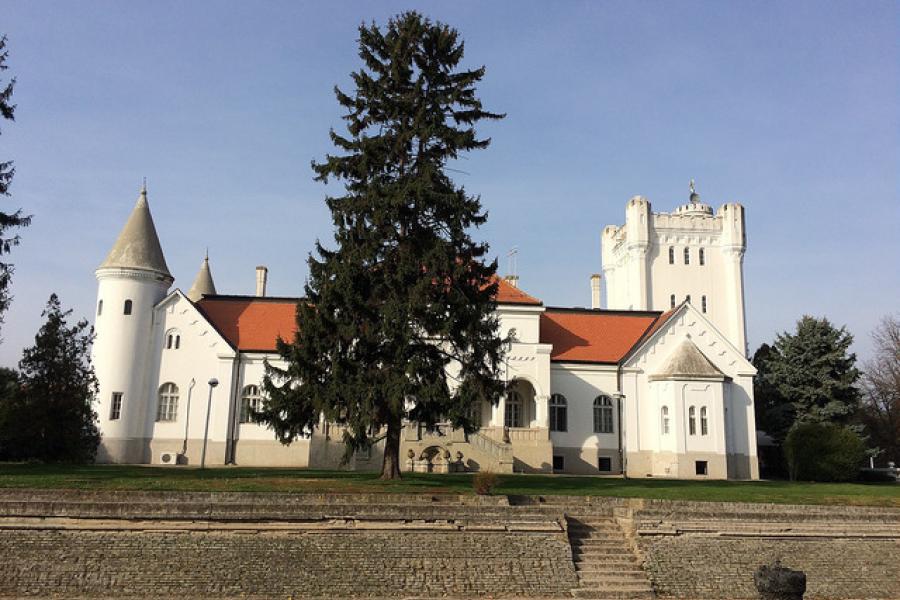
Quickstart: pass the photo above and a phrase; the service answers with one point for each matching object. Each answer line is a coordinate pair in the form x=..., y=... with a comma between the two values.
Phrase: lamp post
x=212, y=384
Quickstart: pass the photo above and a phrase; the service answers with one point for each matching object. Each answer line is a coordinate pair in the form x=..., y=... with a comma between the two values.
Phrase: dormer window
x=687, y=256
x=127, y=309
x=671, y=255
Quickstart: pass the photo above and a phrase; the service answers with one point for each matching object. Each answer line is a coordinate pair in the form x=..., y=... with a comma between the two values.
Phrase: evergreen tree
x=50, y=418
x=7, y=220
x=774, y=414
x=405, y=295
x=813, y=376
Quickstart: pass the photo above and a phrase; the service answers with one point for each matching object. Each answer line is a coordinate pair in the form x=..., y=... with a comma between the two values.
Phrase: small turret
x=203, y=283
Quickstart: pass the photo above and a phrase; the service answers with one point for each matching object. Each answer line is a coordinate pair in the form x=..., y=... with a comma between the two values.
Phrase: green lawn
x=306, y=481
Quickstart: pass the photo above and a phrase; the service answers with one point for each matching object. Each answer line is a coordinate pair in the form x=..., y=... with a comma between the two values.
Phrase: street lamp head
x=213, y=382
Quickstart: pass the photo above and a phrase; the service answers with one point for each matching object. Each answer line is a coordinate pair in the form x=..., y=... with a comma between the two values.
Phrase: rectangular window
x=703, y=303
x=559, y=463
x=558, y=418
x=604, y=463
x=701, y=467
x=115, y=407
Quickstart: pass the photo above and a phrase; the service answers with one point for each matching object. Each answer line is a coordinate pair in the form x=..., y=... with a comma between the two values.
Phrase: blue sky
x=791, y=108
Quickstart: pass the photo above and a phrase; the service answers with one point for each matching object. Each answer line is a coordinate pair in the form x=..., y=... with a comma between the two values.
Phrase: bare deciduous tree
x=880, y=409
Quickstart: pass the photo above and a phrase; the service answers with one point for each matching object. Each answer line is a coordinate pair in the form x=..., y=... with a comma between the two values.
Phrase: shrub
x=484, y=482
x=823, y=452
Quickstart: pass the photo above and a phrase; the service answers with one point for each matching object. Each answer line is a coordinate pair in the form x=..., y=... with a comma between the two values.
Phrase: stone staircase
x=606, y=565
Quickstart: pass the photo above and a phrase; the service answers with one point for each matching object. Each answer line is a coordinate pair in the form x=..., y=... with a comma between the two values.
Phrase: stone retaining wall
x=281, y=565
x=168, y=544
x=706, y=550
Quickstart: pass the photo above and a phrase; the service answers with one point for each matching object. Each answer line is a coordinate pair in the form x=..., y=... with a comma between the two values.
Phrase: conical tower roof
x=137, y=246
x=203, y=283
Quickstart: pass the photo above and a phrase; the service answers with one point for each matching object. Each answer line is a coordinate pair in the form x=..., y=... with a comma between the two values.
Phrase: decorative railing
x=498, y=450
x=527, y=434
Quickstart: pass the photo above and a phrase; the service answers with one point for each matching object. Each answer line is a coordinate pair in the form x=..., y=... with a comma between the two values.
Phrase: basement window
x=559, y=463
x=604, y=464
x=701, y=467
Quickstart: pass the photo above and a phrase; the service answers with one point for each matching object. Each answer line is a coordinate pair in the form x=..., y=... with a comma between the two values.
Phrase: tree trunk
x=390, y=468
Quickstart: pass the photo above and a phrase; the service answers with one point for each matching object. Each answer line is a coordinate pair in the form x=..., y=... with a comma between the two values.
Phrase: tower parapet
x=658, y=260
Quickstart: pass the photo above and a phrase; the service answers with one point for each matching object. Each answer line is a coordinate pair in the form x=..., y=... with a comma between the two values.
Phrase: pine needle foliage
x=808, y=376
x=15, y=219
x=399, y=322
x=50, y=417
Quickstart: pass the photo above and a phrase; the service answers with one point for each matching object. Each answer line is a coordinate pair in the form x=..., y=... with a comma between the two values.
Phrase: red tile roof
x=507, y=293
x=249, y=323
x=597, y=336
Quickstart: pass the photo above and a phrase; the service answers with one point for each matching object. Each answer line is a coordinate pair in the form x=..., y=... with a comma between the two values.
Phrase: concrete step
x=613, y=595
x=613, y=578
x=595, y=535
x=609, y=565
x=603, y=549
x=596, y=539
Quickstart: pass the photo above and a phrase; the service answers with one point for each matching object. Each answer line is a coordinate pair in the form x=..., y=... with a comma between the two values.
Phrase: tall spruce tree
x=15, y=219
x=400, y=319
x=809, y=377
x=50, y=417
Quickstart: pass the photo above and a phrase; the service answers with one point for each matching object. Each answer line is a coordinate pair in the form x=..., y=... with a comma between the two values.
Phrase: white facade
x=588, y=386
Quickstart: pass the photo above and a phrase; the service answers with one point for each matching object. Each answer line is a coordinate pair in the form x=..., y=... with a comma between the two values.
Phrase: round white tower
x=131, y=281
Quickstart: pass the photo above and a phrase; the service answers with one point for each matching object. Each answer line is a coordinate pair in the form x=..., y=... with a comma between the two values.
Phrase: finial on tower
x=144, y=187
x=695, y=197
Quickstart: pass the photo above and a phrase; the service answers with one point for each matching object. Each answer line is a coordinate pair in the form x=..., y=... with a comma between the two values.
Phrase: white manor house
x=655, y=385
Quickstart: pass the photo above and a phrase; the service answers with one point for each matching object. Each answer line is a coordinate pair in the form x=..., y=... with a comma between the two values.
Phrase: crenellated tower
x=656, y=261
x=131, y=281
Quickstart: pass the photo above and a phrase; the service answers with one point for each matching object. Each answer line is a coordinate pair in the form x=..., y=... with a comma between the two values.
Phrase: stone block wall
x=710, y=550
x=43, y=563
x=708, y=567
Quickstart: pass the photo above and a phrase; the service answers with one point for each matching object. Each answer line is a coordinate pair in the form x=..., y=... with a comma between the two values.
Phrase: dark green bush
x=823, y=452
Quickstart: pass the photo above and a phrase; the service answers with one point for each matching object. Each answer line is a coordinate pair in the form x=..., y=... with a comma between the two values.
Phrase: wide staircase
x=605, y=563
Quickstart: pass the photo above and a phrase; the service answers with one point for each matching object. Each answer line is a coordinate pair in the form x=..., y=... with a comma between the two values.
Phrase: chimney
x=512, y=280
x=261, y=277
x=595, y=290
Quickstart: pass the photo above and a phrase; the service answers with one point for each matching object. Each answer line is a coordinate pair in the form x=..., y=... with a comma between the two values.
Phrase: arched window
x=687, y=255
x=513, y=414
x=672, y=301
x=558, y=410
x=127, y=309
x=173, y=340
x=603, y=414
x=704, y=425
x=702, y=257
x=251, y=401
x=692, y=421
x=703, y=303
x=664, y=418
x=167, y=408
x=671, y=255
x=100, y=308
